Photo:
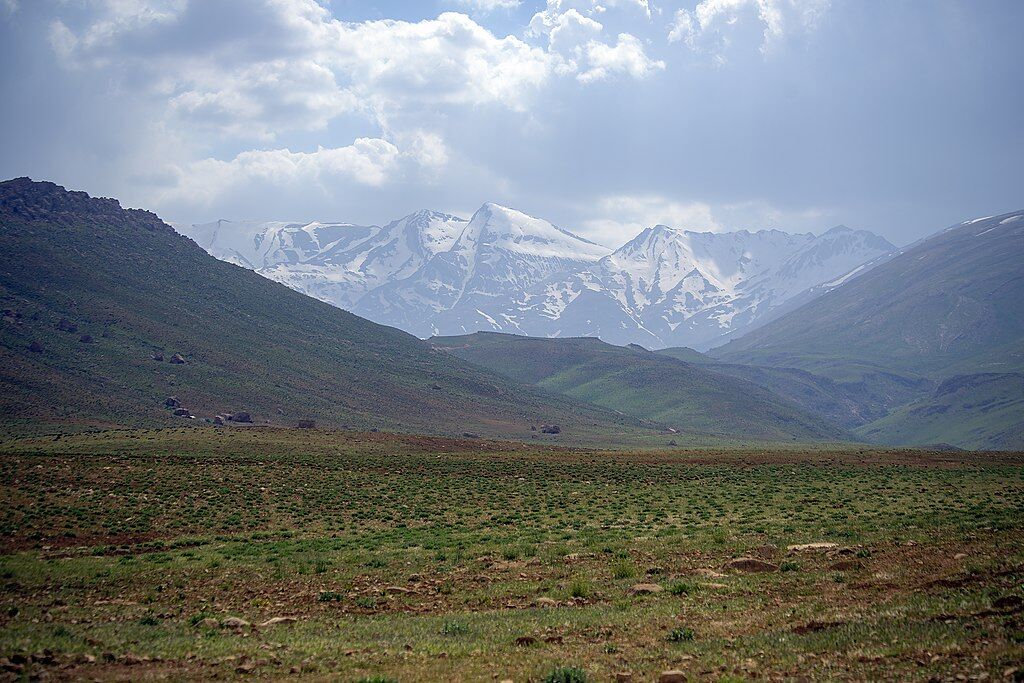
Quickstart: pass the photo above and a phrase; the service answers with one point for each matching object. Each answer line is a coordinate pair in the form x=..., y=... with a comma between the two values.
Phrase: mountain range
x=111, y=318
x=502, y=270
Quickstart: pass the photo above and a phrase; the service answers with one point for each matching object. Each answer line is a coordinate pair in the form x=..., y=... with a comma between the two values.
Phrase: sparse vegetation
x=388, y=551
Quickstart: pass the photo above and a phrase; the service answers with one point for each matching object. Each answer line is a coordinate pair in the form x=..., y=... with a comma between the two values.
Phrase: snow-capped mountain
x=669, y=287
x=435, y=274
x=334, y=262
x=478, y=283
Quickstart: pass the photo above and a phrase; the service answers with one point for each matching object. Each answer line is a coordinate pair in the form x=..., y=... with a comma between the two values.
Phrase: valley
x=511, y=341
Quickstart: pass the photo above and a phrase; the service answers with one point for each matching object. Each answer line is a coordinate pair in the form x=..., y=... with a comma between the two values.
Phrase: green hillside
x=952, y=304
x=861, y=395
x=848, y=403
x=643, y=384
x=96, y=302
x=982, y=411
x=685, y=353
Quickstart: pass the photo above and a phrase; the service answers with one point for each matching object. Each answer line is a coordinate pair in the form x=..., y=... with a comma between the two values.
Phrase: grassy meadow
x=134, y=555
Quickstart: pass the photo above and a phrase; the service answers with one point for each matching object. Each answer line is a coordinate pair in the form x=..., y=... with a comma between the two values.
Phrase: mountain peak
x=28, y=199
x=430, y=215
x=838, y=229
x=656, y=235
x=513, y=230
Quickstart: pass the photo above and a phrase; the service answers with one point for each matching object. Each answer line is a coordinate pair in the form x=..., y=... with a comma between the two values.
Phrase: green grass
x=392, y=553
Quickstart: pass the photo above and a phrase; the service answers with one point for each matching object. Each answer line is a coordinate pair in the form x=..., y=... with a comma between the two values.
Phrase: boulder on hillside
x=178, y=359
x=66, y=325
x=182, y=412
x=234, y=623
x=218, y=420
x=550, y=429
x=85, y=339
x=750, y=565
x=35, y=347
x=241, y=416
x=305, y=424
x=172, y=402
x=158, y=357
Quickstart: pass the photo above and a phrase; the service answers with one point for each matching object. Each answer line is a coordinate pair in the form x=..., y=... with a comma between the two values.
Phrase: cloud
x=264, y=98
x=590, y=7
x=315, y=69
x=367, y=161
x=618, y=218
x=301, y=68
x=294, y=69
x=626, y=56
x=450, y=60
x=574, y=35
x=111, y=19
x=485, y=6
x=708, y=25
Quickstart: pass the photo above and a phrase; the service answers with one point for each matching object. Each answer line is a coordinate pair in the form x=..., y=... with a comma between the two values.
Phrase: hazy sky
x=604, y=116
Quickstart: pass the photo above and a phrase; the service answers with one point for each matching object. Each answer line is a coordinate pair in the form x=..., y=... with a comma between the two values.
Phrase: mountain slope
x=948, y=311
x=954, y=302
x=97, y=300
x=983, y=411
x=643, y=384
x=334, y=262
x=849, y=404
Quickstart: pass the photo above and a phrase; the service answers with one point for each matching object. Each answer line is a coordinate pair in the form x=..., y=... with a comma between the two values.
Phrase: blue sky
x=604, y=116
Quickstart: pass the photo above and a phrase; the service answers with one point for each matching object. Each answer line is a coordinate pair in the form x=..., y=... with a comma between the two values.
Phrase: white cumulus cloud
x=708, y=25
x=490, y=5
x=245, y=99
x=626, y=56
x=367, y=161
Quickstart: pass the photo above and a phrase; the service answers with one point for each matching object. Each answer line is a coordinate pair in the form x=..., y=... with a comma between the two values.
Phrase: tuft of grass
x=580, y=587
x=681, y=634
x=454, y=628
x=330, y=596
x=567, y=674
x=623, y=569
